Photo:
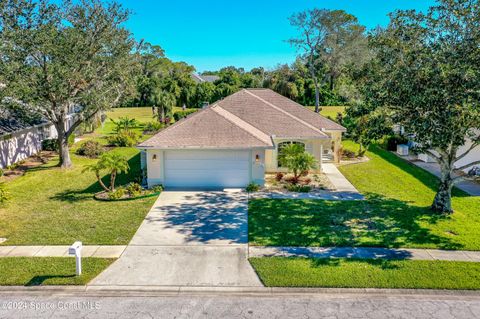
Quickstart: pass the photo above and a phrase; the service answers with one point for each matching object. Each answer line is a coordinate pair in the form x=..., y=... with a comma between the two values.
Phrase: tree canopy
x=59, y=59
x=428, y=73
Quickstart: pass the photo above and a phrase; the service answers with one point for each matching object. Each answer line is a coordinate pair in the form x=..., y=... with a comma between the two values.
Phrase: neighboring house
x=19, y=140
x=236, y=141
x=204, y=78
x=472, y=156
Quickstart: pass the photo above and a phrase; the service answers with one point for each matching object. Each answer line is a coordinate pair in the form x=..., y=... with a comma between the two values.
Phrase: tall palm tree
x=164, y=103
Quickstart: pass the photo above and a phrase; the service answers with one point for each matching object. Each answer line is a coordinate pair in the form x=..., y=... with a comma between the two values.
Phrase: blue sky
x=211, y=34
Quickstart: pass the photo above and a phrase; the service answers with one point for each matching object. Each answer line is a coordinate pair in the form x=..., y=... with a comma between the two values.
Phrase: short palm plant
x=124, y=123
x=296, y=160
x=113, y=164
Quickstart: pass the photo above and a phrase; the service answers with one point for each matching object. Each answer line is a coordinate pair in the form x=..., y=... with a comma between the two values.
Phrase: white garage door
x=188, y=168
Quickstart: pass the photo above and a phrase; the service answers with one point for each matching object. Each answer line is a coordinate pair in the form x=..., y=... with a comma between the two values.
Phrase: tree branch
x=468, y=165
x=475, y=144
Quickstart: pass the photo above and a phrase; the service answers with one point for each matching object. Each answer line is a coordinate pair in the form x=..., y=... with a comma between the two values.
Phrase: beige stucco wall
x=154, y=167
x=258, y=167
x=313, y=147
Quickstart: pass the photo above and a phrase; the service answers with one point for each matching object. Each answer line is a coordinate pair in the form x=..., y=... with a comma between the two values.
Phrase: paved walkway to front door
x=189, y=238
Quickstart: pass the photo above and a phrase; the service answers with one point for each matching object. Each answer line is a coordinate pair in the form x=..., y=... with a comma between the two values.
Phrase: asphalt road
x=24, y=305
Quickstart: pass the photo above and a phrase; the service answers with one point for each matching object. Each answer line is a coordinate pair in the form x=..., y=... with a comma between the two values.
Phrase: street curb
x=242, y=291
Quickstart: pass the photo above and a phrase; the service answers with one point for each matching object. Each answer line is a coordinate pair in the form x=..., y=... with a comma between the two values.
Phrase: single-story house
x=235, y=141
x=473, y=154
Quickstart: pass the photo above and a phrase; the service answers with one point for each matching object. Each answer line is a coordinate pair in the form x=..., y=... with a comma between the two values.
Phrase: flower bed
x=131, y=191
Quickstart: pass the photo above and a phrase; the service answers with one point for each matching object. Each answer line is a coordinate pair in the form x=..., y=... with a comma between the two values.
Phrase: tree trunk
x=317, y=92
x=101, y=182
x=442, y=202
x=113, y=176
x=63, y=149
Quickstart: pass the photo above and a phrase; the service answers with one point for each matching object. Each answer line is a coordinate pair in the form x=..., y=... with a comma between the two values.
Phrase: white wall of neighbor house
x=19, y=145
x=472, y=156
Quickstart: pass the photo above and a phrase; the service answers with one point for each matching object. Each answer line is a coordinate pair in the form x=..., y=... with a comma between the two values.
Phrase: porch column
x=337, y=143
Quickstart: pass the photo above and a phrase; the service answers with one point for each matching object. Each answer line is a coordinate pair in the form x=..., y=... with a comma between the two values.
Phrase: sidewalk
x=61, y=251
x=467, y=186
x=364, y=253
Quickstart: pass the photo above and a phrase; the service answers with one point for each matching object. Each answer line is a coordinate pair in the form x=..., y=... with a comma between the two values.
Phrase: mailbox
x=76, y=249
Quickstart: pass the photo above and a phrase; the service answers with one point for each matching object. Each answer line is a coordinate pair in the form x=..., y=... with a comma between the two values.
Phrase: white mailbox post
x=76, y=249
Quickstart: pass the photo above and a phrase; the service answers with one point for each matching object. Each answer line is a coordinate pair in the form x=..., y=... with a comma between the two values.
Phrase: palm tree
x=164, y=102
x=297, y=161
x=112, y=163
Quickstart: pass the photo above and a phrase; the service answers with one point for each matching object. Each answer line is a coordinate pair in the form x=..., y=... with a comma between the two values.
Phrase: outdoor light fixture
x=257, y=158
x=154, y=157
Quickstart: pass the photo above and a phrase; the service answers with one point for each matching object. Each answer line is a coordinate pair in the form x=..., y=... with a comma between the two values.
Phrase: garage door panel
x=207, y=168
x=206, y=165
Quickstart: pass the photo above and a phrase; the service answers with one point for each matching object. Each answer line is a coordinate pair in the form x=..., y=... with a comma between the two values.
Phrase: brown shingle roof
x=297, y=110
x=205, y=129
x=246, y=119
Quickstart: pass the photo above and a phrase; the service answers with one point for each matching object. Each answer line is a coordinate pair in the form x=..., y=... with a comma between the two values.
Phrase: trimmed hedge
x=182, y=114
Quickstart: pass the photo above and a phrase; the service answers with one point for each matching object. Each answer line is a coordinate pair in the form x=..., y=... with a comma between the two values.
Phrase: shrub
x=152, y=127
x=182, y=114
x=348, y=153
x=4, y=194
x=92, y=149
x=394, y=140
x=117, y=194
x=279, y=176
x=252, y=187
x=123, y=138
x=52, y=143
x=134, y=189
x=2, y=172
x=299, y=188
x=157, y=188
x=292, y=179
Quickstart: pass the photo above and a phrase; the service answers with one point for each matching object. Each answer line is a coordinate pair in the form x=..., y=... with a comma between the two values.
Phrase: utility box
x=402, y=149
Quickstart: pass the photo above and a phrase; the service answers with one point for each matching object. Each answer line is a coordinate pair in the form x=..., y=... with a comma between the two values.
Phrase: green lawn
x=34, y=271
x=141, y=114
x=369, y=273
x=395, y=214
x=53, y=206
x=330, y=111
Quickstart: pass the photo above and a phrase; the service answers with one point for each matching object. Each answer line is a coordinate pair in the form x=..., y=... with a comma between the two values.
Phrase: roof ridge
x=306, y=108
x=285, y=112
x=232, y=118
x=177, y=124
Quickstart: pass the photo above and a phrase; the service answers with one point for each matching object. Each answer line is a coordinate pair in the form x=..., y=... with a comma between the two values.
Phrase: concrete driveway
x=189, y=238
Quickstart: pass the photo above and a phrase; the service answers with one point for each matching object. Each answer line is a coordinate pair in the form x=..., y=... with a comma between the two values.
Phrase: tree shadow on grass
x=39, y=280
x=376, y=222
x=75, y=195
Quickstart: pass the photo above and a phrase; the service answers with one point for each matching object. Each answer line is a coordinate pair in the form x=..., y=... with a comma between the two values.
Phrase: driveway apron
x=189, y=238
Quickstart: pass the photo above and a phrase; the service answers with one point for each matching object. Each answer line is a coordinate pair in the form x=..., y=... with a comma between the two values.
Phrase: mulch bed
x=31, y=162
